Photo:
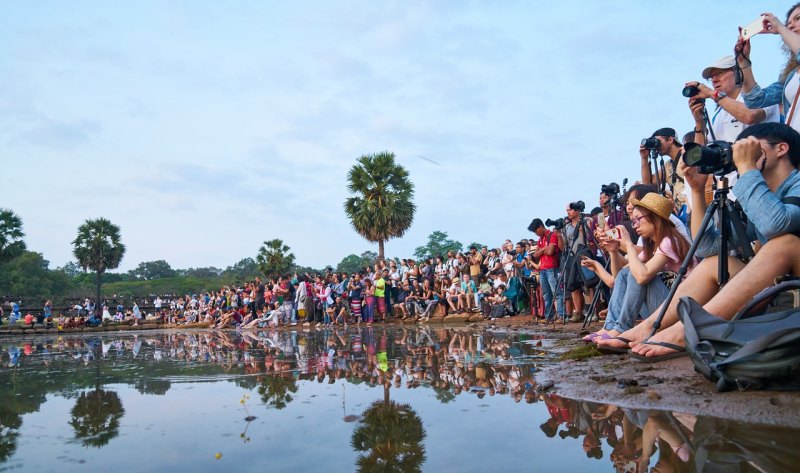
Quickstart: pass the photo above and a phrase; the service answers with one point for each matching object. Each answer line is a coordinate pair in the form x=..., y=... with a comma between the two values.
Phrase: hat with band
x=656, y=203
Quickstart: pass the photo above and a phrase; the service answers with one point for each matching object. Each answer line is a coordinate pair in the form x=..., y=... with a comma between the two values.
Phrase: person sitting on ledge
x=767, y=156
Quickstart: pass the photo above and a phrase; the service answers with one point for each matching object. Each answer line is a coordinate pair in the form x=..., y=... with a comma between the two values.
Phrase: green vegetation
x=274, y=258
x=11, y=243
x=438, y=245
x=98, y=247
x=383, y=204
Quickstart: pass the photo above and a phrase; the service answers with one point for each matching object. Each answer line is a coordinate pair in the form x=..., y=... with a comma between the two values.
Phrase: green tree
x=28, y=275
x=274, y=258
x=207, y=272
x=149, y=270
x=383, y=206
x=246, y=268
x=96, y=416
x=476, y=245
x=11, y=234
x=276, y=390
x=71, y=269
x=438, y=245
x=98, y=247
x=354, y=263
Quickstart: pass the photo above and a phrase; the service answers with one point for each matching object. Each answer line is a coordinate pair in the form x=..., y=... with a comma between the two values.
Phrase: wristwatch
x=719, y=95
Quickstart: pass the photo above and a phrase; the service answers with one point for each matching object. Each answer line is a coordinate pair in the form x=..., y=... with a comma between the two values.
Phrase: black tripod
x=731, y=228
x=571, y=263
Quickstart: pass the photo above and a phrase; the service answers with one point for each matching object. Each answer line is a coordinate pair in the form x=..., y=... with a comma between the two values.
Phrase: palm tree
x=96, y=414
x=274, y=258
x=98, y=247
x=383, y=206
x=11, y=244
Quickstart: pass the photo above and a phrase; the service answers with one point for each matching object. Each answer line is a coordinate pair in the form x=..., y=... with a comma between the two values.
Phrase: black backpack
x=750, y=351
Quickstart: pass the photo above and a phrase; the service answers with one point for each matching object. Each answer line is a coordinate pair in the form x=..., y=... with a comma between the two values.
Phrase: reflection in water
x=669, y=441
x=440, y=372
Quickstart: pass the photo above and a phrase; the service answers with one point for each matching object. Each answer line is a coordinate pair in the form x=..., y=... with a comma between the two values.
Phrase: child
x=498, y=302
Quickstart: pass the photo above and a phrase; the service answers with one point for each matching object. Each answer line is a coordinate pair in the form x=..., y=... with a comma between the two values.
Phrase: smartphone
x=614, y=234
x=752, y=29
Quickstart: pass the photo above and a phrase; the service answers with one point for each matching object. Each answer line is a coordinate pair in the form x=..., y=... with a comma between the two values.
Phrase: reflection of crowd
x=637, y=438
x=450, y=361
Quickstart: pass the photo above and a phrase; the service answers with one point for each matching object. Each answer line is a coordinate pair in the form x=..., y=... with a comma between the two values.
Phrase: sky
x=203, y=129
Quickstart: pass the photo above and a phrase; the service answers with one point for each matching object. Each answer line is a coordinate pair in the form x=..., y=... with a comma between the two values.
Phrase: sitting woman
x=638, y=281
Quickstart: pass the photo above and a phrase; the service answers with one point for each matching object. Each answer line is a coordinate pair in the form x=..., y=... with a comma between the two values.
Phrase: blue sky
x=204, y=128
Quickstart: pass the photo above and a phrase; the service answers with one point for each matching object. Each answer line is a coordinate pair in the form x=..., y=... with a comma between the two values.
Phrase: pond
x=368, y=399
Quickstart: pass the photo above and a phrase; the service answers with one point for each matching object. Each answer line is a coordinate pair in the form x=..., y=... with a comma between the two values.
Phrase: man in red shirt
x=547, y=253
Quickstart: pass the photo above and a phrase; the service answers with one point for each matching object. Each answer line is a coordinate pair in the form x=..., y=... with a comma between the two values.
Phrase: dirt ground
x=671, y=385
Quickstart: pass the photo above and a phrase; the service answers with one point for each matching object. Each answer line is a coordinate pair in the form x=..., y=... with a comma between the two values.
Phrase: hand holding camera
x=746, y=154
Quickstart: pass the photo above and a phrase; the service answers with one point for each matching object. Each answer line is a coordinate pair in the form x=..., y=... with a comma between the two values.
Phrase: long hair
x=663, y=229
x=791, y=63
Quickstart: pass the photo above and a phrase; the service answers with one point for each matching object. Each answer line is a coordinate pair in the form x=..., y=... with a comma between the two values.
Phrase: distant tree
x=476, y=245
x=354, y=263
x=276, y=390
x=98, y=247
x=274, y=258
x=71, y=269
x=207, y=272
x=383, y=205
x=438, y=244
x=28, y=275
x=244, y=269
x=149, y=270
x=11, y=234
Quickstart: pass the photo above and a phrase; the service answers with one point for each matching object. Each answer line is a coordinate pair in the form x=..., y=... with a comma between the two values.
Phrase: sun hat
x=723, y=63
x=658, y=204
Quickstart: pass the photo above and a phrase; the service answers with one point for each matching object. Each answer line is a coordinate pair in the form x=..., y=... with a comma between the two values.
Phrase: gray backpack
x=750, y=351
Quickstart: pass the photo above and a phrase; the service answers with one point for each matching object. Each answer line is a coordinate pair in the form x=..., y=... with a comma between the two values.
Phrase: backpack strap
x=765, y=295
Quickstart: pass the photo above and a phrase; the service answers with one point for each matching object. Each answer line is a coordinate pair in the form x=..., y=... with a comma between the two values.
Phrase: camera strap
x=794, y=107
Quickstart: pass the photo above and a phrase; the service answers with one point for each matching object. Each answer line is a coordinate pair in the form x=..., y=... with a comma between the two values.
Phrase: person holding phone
x=785, y=90
x=638, y=287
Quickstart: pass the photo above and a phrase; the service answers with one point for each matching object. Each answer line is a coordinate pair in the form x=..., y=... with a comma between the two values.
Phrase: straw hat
x=658, y=204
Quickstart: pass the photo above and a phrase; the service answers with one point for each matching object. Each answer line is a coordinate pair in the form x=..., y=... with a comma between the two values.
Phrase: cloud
x=57, y=134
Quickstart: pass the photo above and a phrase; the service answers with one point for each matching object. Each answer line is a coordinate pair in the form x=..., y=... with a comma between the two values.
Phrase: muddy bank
x=671, y=385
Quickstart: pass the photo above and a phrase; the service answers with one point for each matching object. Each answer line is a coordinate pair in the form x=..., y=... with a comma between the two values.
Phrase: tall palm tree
x=11, y=244
x=274, y=258
x=383, y=206
x=98, y=247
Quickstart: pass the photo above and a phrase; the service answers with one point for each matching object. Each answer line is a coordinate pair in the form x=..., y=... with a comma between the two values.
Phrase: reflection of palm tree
x=274, y=390
x=96, y=415
x=393, y=435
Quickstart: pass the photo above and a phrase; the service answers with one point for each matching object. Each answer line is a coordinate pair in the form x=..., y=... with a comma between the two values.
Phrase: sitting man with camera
x=663, y=142
x=766, y=156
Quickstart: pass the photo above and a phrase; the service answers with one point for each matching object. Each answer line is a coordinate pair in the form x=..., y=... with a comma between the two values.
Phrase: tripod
x=571, y=262
x=730, y=229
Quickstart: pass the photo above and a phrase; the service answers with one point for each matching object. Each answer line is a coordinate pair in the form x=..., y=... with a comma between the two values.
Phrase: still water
x=325, y=400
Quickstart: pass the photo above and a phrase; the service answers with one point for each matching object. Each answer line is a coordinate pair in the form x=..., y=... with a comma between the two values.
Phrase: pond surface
x=358, y=400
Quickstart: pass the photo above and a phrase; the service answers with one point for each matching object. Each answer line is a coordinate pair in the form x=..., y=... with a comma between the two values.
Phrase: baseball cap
x=666, y=132
x=726, y=62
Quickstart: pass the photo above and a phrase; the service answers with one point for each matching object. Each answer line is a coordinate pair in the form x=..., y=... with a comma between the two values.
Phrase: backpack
x=760, y=351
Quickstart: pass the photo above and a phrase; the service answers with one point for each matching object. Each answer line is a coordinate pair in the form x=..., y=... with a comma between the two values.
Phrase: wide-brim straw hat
x=656, y=203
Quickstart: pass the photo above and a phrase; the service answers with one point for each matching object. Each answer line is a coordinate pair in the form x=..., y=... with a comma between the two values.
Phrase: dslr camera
x=716, y=158
x=610, y=190
x=690, y=91
x=651, y=143
x=558, y=223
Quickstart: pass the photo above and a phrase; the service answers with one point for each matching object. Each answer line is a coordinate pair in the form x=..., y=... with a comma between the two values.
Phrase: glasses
x=637, y=221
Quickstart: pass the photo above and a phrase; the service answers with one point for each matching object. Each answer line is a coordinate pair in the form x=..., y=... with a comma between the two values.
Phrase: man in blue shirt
x=767, y=156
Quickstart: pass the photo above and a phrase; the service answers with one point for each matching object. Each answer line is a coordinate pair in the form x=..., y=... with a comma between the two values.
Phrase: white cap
x=727, y=62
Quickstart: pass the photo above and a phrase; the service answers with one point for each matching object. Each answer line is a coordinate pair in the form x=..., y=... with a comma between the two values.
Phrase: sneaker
x=576, y=318
x=307, y=324
x=293, y=324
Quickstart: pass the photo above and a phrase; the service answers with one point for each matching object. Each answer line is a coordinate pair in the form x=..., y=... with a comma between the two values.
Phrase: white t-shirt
x=789, y=91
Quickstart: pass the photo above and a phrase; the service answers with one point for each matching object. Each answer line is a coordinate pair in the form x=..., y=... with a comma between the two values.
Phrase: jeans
x=630, y=300
x=549, y=282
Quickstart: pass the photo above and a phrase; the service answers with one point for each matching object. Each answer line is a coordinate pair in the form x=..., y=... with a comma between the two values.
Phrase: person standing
x=547, y=253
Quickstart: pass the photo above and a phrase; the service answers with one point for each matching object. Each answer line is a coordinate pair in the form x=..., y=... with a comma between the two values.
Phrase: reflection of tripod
x=731, y=228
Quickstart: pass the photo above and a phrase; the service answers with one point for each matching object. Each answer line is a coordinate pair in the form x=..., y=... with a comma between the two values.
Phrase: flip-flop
x=593, y=337
x=678, y=353
x=606, y=350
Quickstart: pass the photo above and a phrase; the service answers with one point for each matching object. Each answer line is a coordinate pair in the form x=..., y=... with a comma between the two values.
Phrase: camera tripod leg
x=707, y=220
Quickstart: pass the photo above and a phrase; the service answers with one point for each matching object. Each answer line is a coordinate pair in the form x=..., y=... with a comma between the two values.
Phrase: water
x=359, y=400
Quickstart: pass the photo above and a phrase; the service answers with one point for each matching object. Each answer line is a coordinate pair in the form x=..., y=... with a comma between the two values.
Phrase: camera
x=690, y=91
x=716, y=158
x=557, y=223
x=610, y=189
x=651, y=143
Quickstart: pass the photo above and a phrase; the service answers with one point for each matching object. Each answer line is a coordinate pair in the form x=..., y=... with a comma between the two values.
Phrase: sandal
x=606, y=350
x=679, y=352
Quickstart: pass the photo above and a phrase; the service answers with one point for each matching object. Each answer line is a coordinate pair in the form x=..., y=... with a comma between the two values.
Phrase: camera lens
x=690, y=91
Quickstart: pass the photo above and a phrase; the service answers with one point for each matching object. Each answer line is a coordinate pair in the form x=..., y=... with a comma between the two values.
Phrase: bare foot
x=672, y=335
x=635, y=335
